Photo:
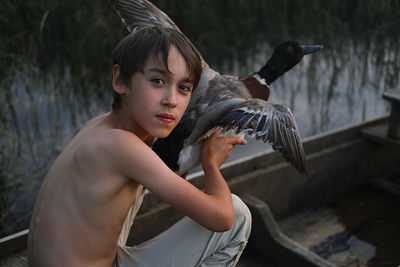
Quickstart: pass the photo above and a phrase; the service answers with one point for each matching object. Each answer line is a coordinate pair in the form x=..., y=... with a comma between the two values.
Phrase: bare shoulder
x=100, y=144
x=125, y=154
x=109, y=145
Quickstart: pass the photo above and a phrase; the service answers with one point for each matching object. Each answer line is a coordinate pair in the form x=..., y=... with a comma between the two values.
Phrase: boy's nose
x=170, y=98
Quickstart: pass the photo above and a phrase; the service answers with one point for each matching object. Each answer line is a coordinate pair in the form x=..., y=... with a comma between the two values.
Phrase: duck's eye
x=289, y=49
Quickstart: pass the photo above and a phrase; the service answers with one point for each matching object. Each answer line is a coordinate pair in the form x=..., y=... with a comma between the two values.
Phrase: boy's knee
x=242, y=215
x=240, y=208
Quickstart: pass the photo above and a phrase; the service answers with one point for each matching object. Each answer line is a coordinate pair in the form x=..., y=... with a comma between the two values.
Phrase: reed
x=81, y=34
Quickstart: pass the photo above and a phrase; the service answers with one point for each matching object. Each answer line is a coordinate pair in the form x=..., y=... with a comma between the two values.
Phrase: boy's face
x=157, y=98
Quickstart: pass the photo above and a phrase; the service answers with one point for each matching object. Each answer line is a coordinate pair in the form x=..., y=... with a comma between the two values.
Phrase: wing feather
x=272, y=123
x=140, y=13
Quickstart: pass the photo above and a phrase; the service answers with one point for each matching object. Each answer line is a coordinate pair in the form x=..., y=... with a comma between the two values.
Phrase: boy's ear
x=118, y=85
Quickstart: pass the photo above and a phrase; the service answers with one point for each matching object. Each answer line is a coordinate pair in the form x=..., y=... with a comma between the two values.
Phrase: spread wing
x=139, y=13
x=271, y=123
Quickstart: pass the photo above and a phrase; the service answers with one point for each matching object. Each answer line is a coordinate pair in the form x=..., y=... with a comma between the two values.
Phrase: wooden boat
x=324, y=220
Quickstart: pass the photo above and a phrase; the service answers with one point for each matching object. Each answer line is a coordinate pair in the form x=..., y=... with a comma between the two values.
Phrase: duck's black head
x=286, y=55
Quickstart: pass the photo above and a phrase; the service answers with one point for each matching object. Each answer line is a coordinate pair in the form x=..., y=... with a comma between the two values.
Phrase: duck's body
x=235, y=105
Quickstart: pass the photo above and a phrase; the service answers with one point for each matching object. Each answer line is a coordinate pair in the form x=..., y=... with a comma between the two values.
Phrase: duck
x=235, y=105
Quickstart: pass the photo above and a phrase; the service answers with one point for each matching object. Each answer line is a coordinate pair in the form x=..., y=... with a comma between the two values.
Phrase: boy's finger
x=216, y=133
x=240, y=141
x=236, y=141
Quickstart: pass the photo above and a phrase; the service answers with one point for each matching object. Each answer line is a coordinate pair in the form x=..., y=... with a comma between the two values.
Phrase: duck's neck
x=269, y=73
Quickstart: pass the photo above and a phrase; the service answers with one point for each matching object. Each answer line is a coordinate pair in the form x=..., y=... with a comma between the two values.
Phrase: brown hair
x=132, y=52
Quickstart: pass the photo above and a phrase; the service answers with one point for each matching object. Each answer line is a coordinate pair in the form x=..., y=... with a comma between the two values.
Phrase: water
x=47, y=97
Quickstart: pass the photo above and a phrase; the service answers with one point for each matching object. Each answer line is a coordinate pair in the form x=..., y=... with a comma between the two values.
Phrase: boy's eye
x=186, y=88
x=158, y=81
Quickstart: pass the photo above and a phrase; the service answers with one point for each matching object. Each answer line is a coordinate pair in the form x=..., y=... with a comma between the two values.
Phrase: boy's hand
x=215, y=150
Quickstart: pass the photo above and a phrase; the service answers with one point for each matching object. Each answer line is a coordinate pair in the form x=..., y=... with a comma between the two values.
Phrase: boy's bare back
x=93, y=199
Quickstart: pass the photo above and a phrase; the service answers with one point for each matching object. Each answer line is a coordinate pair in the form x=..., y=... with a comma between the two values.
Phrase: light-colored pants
x=187, y=244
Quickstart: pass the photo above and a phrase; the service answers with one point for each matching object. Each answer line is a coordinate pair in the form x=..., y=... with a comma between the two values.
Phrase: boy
x=93, y=190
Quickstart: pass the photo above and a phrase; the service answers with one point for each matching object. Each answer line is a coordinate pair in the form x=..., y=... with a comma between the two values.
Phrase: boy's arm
x=214, y=152
x=132, y=158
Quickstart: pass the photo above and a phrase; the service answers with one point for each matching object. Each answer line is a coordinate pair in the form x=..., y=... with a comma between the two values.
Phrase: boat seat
x=387, y=134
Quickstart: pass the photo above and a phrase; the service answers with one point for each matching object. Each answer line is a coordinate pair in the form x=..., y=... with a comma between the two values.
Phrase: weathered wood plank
x=269, y=240
x=379, y=134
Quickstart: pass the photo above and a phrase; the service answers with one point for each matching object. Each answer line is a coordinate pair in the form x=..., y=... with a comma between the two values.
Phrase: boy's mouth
x=166, y=118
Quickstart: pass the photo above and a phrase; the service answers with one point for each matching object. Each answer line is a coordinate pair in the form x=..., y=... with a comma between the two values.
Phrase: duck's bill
x=309, y=49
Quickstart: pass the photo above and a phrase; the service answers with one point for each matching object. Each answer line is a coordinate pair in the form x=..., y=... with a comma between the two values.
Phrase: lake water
x=336, y=87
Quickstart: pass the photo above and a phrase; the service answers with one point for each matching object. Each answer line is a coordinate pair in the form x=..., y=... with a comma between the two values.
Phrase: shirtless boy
x=83, y=211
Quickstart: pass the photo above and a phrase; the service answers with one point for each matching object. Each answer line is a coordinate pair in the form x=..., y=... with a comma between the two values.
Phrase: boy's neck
x=120, y=121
